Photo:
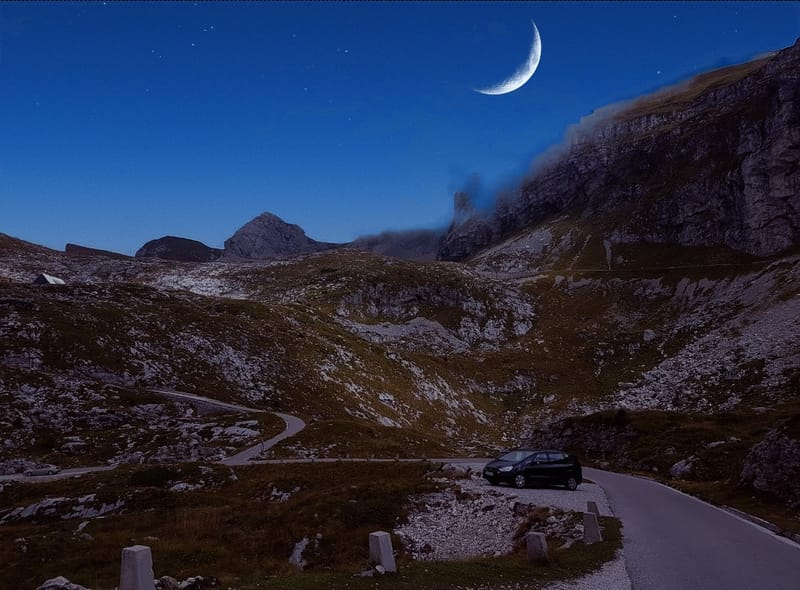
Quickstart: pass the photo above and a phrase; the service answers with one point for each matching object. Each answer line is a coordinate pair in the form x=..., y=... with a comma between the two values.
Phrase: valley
x=635, y=301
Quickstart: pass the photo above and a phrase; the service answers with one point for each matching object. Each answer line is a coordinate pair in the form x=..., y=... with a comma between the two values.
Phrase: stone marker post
x=591, y=529
x=380, y=550
x=136, y=572
x=592, y=507
x=537, y=547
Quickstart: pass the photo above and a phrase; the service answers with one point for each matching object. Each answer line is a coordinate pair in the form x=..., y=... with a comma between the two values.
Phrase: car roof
x=529, y=450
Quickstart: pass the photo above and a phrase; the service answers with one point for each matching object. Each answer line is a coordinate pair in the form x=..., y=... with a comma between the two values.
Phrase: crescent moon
x=523, y=73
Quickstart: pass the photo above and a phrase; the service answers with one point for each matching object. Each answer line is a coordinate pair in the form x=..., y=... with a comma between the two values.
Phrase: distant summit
x=181, y=249
x=269, y=236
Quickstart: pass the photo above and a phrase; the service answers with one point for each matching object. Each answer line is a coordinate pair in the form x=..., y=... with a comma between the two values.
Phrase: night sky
x=124, y=122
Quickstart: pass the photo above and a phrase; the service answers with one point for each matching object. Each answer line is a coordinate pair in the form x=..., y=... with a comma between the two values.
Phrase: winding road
x=672, y=541
x=293, y=426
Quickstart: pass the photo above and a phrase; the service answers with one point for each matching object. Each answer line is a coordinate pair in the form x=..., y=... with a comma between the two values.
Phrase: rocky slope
x=712, y=162
x=78, y=250
x=181, y=249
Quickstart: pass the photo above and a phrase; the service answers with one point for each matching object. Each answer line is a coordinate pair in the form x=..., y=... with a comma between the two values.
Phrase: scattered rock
x=60, y=583
x=682, y=469
x=167, y=583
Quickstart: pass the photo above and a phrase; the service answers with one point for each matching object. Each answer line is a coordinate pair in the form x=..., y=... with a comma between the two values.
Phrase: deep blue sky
x=124, y=122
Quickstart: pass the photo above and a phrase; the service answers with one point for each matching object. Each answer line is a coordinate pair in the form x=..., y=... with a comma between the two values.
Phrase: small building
x=46, y=279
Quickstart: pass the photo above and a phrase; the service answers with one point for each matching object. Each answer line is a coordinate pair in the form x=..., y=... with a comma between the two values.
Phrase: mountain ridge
x=709, y=162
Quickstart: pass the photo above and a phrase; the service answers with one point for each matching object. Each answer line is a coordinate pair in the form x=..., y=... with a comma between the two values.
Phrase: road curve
x=676, y=542
x=293, y=426
x=192, y=397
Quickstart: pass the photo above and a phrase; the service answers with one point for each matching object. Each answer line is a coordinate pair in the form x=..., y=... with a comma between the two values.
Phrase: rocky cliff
x=269, y=236
x=181, y=249
x=711, y=162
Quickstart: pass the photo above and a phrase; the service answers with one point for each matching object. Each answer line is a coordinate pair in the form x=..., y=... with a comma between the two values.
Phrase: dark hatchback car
x=526, y=467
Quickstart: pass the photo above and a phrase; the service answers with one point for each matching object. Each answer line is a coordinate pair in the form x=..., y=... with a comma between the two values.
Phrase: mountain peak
x=269, y=236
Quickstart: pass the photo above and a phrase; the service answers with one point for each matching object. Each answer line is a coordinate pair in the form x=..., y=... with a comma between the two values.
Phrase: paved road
x=73, y=472
x=293, y=426
x=676, y=542
x=182, y=395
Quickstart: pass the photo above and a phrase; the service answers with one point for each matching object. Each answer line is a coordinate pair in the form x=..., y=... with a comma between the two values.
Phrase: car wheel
x=52, y=472
x=519, y=481
x=571, y=483
x=28, y=473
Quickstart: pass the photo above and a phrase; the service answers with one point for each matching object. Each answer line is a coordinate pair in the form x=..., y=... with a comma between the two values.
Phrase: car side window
x=557, y=457
x=540, y=458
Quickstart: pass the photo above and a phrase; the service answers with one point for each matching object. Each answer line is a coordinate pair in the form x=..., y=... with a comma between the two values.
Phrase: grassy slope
x=238, y=533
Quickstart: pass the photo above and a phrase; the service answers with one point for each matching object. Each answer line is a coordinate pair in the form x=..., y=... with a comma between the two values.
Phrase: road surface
x=675, y=542
x=207, y=401
x=293, y=426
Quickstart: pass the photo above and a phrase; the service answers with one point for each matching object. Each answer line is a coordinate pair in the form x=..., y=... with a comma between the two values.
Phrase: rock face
x=181, y=249
x=712, y=162
x=268, y=236
x=773, y=466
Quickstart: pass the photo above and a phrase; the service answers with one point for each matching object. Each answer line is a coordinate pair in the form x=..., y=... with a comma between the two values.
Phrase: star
x=658, y=72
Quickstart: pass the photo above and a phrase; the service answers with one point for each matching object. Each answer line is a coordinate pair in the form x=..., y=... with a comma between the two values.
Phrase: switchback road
x=293, y=426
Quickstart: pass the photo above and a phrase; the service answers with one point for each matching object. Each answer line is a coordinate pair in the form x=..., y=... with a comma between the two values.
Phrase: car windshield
x=515, y=456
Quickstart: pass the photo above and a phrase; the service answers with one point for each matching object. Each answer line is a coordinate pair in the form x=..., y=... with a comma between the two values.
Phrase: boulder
x=682, y=469
x=60, y=583
x=773, y=465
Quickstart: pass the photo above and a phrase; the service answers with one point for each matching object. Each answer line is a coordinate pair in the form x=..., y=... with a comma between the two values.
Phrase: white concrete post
x=380, y=550
x=591, y=529
x=136, y=572
x=537, y=547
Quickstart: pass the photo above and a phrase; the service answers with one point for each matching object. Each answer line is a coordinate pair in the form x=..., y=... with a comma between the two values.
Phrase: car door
x=536, y=470
x=559, y=467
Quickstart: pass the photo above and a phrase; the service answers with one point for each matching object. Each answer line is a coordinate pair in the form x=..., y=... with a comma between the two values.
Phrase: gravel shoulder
x=477, y=519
